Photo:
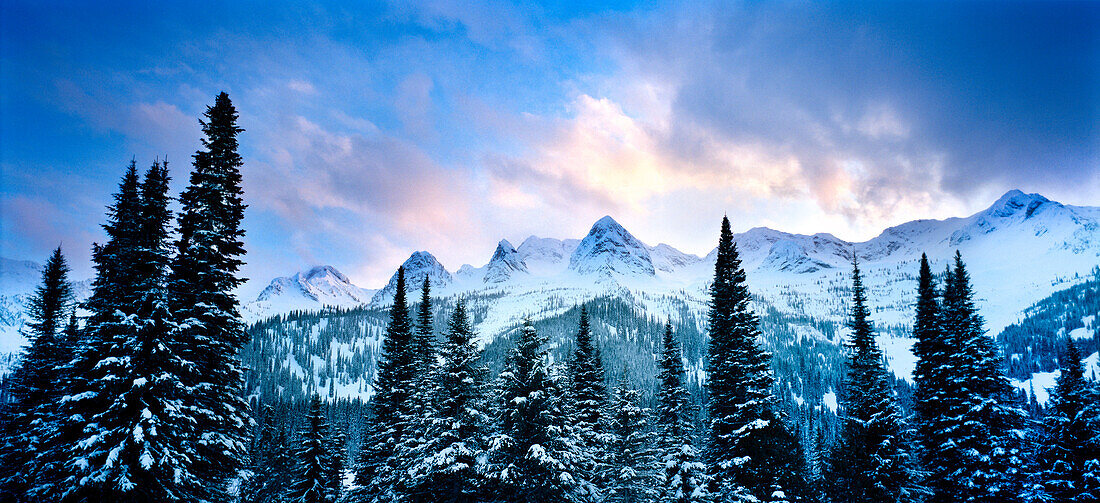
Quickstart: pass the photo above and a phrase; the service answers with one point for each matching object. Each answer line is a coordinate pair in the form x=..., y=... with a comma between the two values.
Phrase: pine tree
x=534, y=454
x=931, y=374
x=1069, y=461
x=132, y=443
x=680, y=474
x=588, y=395
x=36, y=382
x=201, y=289
x=750, y=453
x=337, y=452
x=452, y=467
x=377, y=466
x=871, y=462
x=312, y=470
x=421, y=409
x=974, y=450
x=631, y=478
x=270, y=462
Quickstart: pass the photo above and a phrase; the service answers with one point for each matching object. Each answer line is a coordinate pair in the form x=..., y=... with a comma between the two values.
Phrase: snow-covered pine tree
x=750, y=453
x=336, y=445
x=376, y=467
x=680, y=474
x=420, y=412
x=452, y=466
x=930, y=376
x=631, y=478
x=534, y=455
x=135, y=443
x=1069, y=462
x=311, y=458
x=270, y=463
x=871, y=462
x=981, y=456
x=201, y=290
x=588, y=400
x=112, y=291
x=30, y=415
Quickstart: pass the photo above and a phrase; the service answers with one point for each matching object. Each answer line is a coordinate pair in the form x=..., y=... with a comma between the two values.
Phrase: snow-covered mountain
x=418, y=266
x=312, y=289
x=1020, y=250
x=609, y=250
x=1051, y=244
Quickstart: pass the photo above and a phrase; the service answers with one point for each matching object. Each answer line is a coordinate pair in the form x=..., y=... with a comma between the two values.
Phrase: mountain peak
x=505, y=262
x=1014, y=202
x=608, y=248
x=418, y=266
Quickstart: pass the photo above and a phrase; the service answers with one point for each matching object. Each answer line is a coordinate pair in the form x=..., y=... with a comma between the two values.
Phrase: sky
x=376, y=129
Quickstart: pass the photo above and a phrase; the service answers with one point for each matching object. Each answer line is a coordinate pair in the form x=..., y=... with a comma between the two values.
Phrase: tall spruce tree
x=871, y=462
x=750, y=453
x=421, y=409
x=973, y=447
x=134, y=436
x=201, y=288
x=681, y=476
x=930, y=376
x=36, y=383
x=335, y=444
x=588, y=399
x=535, y=457
x=270, y=463
x=631, y=477
x=377, y=466
x=1069, y=460
x=451, y=468
x=113, y=294
x=311, y=456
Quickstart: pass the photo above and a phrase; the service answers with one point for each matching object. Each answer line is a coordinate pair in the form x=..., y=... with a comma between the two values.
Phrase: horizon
x=374, y=131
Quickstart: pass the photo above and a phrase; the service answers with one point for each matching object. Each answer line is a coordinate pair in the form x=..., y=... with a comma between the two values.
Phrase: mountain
x=418, y=266
x=1019, y=250
x=505, y=264
x=312, y=289
x=609, y=250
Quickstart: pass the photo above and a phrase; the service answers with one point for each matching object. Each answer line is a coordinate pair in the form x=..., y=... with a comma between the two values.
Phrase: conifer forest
x=224, y=229
x=157, y=391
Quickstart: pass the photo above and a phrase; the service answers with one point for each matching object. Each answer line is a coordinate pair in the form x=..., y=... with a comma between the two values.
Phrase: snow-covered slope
x=307, y=290
x=1019, y=250
x=418, y=266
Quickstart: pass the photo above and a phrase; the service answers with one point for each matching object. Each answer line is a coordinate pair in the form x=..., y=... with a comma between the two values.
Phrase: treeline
x=143, y=401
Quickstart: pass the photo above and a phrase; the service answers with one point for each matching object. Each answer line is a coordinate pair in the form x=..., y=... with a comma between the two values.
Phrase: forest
x=155, y=390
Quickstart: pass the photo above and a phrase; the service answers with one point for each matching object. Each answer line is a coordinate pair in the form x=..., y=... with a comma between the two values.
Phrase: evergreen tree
x=377, y=466
x=680, y=474
x=133, y=440
x=871, y=462
x=534, y=454
x=421, y=409
x=201, y=288
x=750, y=453
x=1070, y=463
x=270, y=462
x=337, y=452
x=311, y=483
x=975, y=451
x=588, y=396
x=35, y=384
x=452, y=466
x=931, y=374
x=631, y=477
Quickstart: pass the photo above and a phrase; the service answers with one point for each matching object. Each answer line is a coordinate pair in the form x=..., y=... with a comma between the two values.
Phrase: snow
x=829, y=400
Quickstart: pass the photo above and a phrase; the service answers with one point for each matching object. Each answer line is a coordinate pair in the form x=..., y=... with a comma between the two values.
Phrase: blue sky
x=378, y=129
